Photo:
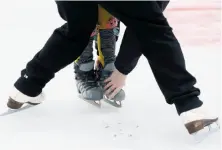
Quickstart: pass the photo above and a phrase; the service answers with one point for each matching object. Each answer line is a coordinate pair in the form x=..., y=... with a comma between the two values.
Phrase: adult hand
x=114, y=84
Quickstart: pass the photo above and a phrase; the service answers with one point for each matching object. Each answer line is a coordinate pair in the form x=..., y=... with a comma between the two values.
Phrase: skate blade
x=207, y=131
x=114, y=103
x=12, y=111
x=96, y=103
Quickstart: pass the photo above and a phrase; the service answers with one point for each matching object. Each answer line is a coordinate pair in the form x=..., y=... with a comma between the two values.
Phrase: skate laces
x=88, y=79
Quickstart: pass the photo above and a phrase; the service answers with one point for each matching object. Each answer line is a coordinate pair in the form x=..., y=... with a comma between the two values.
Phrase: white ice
x=64, y=122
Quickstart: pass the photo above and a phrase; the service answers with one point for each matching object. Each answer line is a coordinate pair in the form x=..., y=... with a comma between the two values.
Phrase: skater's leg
x=86, y=82
x=106, y=38
x=87, y=54
x=160, y=46
x=64, y=46
x=107, y=59
x=106, y=47
x=116, y=31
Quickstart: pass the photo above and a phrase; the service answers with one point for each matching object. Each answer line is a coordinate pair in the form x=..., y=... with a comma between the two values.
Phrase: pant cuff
x=28, y=87
x=184, y=106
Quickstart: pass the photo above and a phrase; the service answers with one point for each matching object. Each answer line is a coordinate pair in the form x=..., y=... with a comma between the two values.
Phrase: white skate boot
x=17, y=99
x=198, y=123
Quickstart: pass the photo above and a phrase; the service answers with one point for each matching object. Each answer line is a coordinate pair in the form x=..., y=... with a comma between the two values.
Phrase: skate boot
x=17, y=99
x=86, y=83
x=198, y=123
x=103, y=74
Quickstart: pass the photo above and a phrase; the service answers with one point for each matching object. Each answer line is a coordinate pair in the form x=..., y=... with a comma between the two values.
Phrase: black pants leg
x=159, y=45
x=65, y=45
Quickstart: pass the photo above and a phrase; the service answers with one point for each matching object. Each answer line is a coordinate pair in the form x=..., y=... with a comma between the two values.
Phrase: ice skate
x=103, y=74
x=199, y=124
x=86, y=83
x=17, y=99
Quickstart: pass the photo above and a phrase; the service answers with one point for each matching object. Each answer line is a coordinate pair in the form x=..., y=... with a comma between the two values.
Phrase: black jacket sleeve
x=129, y=53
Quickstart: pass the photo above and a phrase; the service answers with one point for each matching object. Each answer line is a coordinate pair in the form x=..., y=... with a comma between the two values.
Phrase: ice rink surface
x=145, y=122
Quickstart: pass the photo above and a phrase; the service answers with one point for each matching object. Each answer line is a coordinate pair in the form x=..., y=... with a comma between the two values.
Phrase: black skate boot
x=86, y=83
x=103, y=74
